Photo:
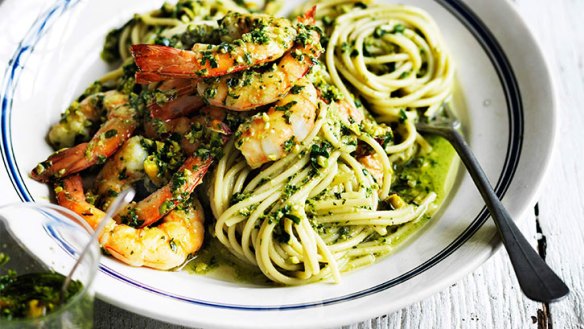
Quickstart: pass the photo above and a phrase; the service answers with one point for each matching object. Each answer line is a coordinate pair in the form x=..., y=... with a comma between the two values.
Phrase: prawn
x=349, y=113
x=181, y=106
x=212, y=134
x=264, y=39
x=271, y=135
x=139, y=157
x=121, y=170
x=374, y=164
x=168, y=197
x=165, y=246
x=119, y=126
x=79, y=118
x=192, y=130
x=175, y=98
x=253, y=88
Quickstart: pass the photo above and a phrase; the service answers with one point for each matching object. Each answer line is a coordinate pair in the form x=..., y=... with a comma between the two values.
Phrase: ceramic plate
x=506, y=99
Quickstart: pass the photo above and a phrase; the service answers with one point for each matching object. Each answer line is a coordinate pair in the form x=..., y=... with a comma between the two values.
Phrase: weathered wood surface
x=559, y=28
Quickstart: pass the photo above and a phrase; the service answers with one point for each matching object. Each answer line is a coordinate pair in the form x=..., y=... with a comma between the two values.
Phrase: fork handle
x=537, y=280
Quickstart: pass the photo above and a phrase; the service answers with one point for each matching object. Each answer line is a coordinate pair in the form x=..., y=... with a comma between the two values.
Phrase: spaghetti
x=302, y=223
x=329, y=197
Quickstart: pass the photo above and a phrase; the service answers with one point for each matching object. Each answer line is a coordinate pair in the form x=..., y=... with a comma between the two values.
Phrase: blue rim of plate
x=456, y=7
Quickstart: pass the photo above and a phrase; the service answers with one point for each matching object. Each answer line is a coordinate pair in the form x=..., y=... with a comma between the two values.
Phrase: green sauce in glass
x=33, y=295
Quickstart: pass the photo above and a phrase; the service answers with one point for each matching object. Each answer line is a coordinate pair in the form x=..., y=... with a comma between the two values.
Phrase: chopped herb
x=360, y=4
x=404, y=74
x=110, y=133
x=294, y=218
x=123, y=174
x=289, y=190
x=259, y=36
x=210, y=92
x=303, y=38
x=402, y=116
x=296, y=89
x=285, y=107
x=345, y=47
x=387, y=139
x=238, y=196
x=202, y=72
x=208, y=57
x=172, y=245
x=178, y=180
x=166, y=206
x=130, y=218
x=318, y=152
x=289, y=144
x=399, y=28
x=94, y=88
x=100, y=160
x=379, y=32
x=247, y=58
x=232, y=82
x=225, y=47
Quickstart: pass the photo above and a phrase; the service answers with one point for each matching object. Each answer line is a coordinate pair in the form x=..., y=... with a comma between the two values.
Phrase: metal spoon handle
x=537, y=280
x=122, y=199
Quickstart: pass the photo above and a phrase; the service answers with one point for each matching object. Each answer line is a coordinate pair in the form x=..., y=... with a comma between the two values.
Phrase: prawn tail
x=181, y=106
x=144, y=78
x=158, y=63
x=69, y=194
x=61, y=163
x=308, y=17
x=221, y=128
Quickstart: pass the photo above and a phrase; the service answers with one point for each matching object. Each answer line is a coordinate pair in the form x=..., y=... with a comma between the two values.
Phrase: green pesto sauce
x=33, y=295
x=434, y=171
x=445, y=168
x=217, y=262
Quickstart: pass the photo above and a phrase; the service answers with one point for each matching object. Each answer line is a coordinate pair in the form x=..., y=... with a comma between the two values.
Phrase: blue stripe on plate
x=469, y=19
x=11, y=75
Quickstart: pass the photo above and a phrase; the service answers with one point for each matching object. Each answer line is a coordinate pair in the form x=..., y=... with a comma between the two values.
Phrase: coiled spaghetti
x=299, y=224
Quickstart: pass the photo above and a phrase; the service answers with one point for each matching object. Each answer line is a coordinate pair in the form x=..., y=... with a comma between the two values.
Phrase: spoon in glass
x=121, y=200
x=536, y=279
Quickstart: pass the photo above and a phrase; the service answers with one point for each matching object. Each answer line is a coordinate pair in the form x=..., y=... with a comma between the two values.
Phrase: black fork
x=536, y=279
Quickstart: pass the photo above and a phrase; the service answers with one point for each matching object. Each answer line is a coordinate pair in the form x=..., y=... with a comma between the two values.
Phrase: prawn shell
x=168, y=197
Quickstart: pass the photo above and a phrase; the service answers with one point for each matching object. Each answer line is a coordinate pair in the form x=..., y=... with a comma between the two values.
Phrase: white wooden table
x=490, y=297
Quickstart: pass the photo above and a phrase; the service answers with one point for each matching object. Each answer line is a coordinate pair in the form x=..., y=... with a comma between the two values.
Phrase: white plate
x=510, y=122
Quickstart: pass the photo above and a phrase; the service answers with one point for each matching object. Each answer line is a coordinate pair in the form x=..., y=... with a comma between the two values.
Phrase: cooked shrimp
x=374, y=165
x=119, y=126
x=348, y=112
x=270, y=136
x=168, y=197
x=265, y=39
x=163, y=247
x=250, y=89
x=193, y=131
x=177, y=97
x=77, y=121
x=181, y=106
x=121, y=170
x=204, y=137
